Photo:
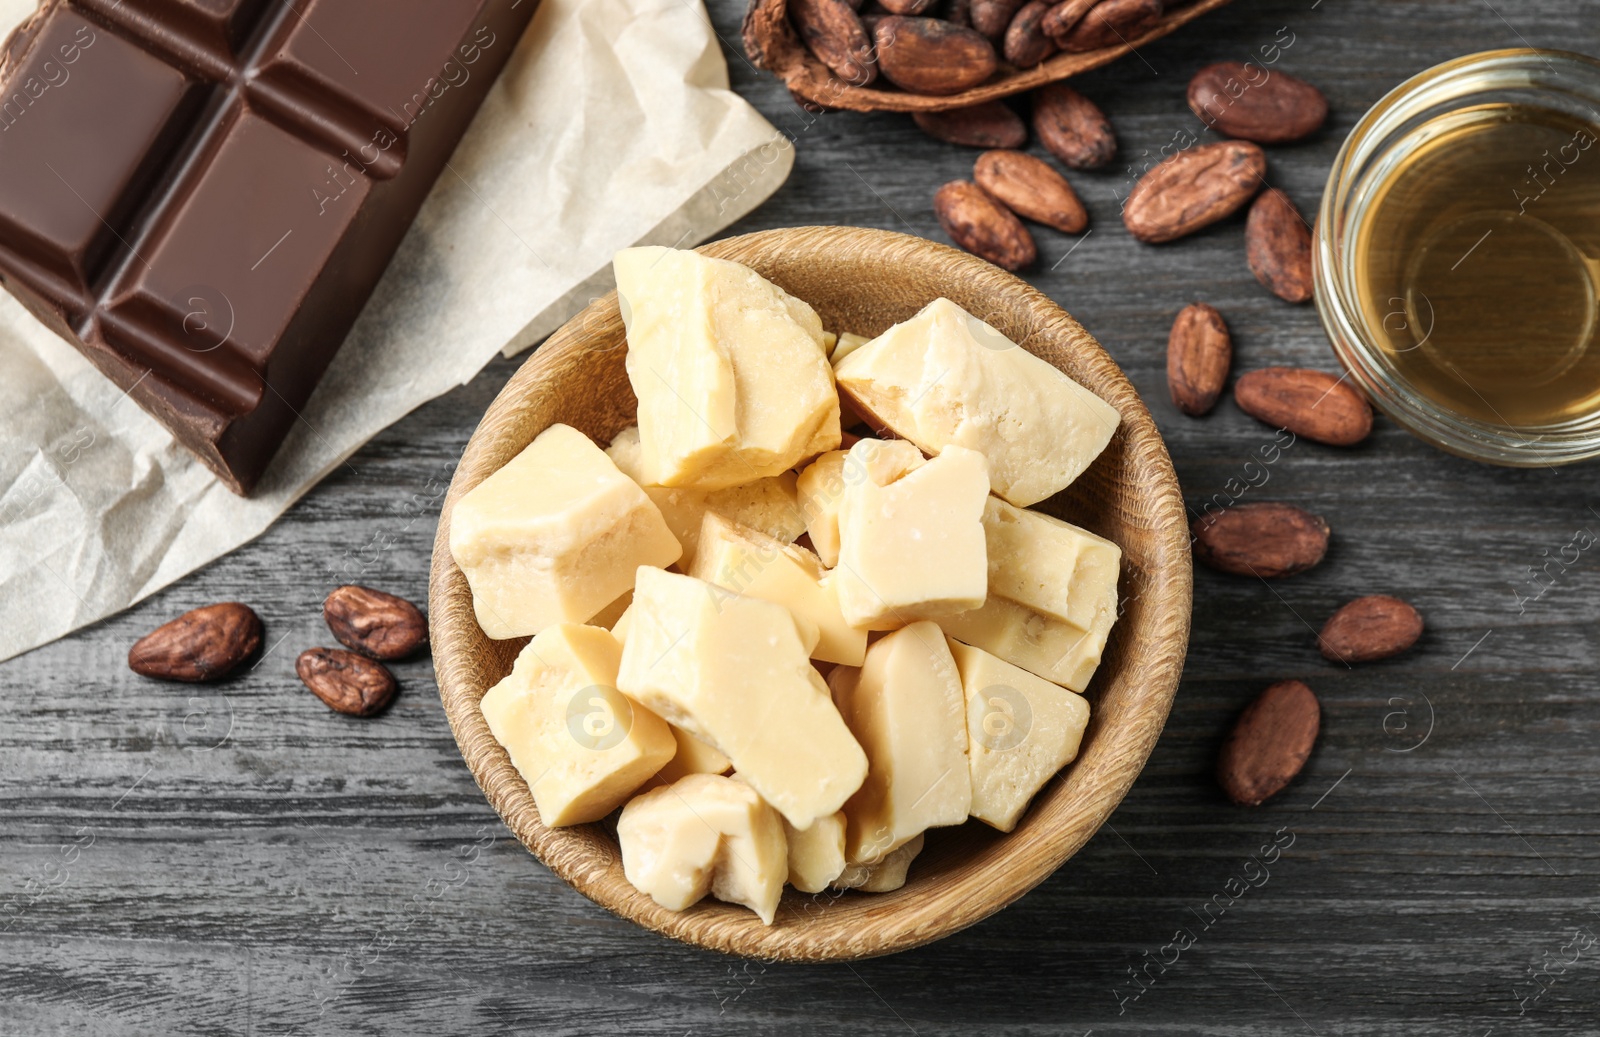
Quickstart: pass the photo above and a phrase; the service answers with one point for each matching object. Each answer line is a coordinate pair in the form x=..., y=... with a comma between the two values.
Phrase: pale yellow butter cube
x=619, y=629
x=1049, y=565
x=731, y=371
x=692, y=757
x=945, y=378
x=746, y=561
x=582, y=746
x=611, y=615
x=704, y=833
x=1043, y=645
x=735, y=672
x=821, y=485
x=848, y=343
x=554, y=536
x=905, y=707
x=816, y=854
x=884, y=875
x=767, y=504
x=1021, y=730
x=818, y=491
x=911, y=541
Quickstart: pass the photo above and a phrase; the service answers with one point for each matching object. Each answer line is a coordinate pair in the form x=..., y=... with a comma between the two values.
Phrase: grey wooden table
x=236, y=860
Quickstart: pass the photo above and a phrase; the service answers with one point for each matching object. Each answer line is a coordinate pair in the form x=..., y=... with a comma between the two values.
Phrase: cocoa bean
x=1313, y=404
x=347, y=682
x=1375, y=627
x=204, y=644
x=1030, y=188
x=1194, y=189
x=1112, y=22
x=988, y=125
x=374, y=623
x=1269, y=540
x=1199, y=353
x=1269, y=743
x=1072, y=128
x=929, y=56
x=834, y=33
x=1242, y=99
x=1278, y=246
x=982, y=226
x=1026, y=43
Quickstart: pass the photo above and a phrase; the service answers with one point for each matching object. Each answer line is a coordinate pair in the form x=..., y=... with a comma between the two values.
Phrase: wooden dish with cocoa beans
x=864, y=281
x=935, y=55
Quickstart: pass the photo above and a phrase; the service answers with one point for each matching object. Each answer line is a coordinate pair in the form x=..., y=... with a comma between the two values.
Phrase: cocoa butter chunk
x=946, y=378
x=554, y=536
x=581, y=745
x=730, y=370
x=1269, y=106
x=1021, y=731
x=735, y=672
x=905, y=706
x=1269, y=743
x=705, y=834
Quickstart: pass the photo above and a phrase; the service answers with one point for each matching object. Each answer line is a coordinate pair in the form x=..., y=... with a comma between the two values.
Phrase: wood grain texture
x=771, y=42
x=315, y=874
x=861, y=281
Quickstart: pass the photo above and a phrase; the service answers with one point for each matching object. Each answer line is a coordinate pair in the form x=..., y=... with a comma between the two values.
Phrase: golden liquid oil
x=1478, y=262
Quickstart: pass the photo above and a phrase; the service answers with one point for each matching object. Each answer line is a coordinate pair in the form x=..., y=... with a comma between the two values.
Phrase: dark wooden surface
x=237, y=860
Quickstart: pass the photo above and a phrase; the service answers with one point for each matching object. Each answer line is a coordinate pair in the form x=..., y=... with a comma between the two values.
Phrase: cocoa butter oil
x=1477, y=264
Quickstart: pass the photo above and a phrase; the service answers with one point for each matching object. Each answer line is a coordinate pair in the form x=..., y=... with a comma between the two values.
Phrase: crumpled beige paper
x=613, y=125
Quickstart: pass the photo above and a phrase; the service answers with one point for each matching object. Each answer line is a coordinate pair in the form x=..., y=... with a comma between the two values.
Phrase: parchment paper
x=613, y=125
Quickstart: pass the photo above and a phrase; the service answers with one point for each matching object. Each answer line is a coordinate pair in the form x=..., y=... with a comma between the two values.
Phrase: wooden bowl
x=771, y=43
x=863, y=281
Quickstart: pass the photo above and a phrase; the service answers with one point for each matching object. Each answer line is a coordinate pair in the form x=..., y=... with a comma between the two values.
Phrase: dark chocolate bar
x=201, y=194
